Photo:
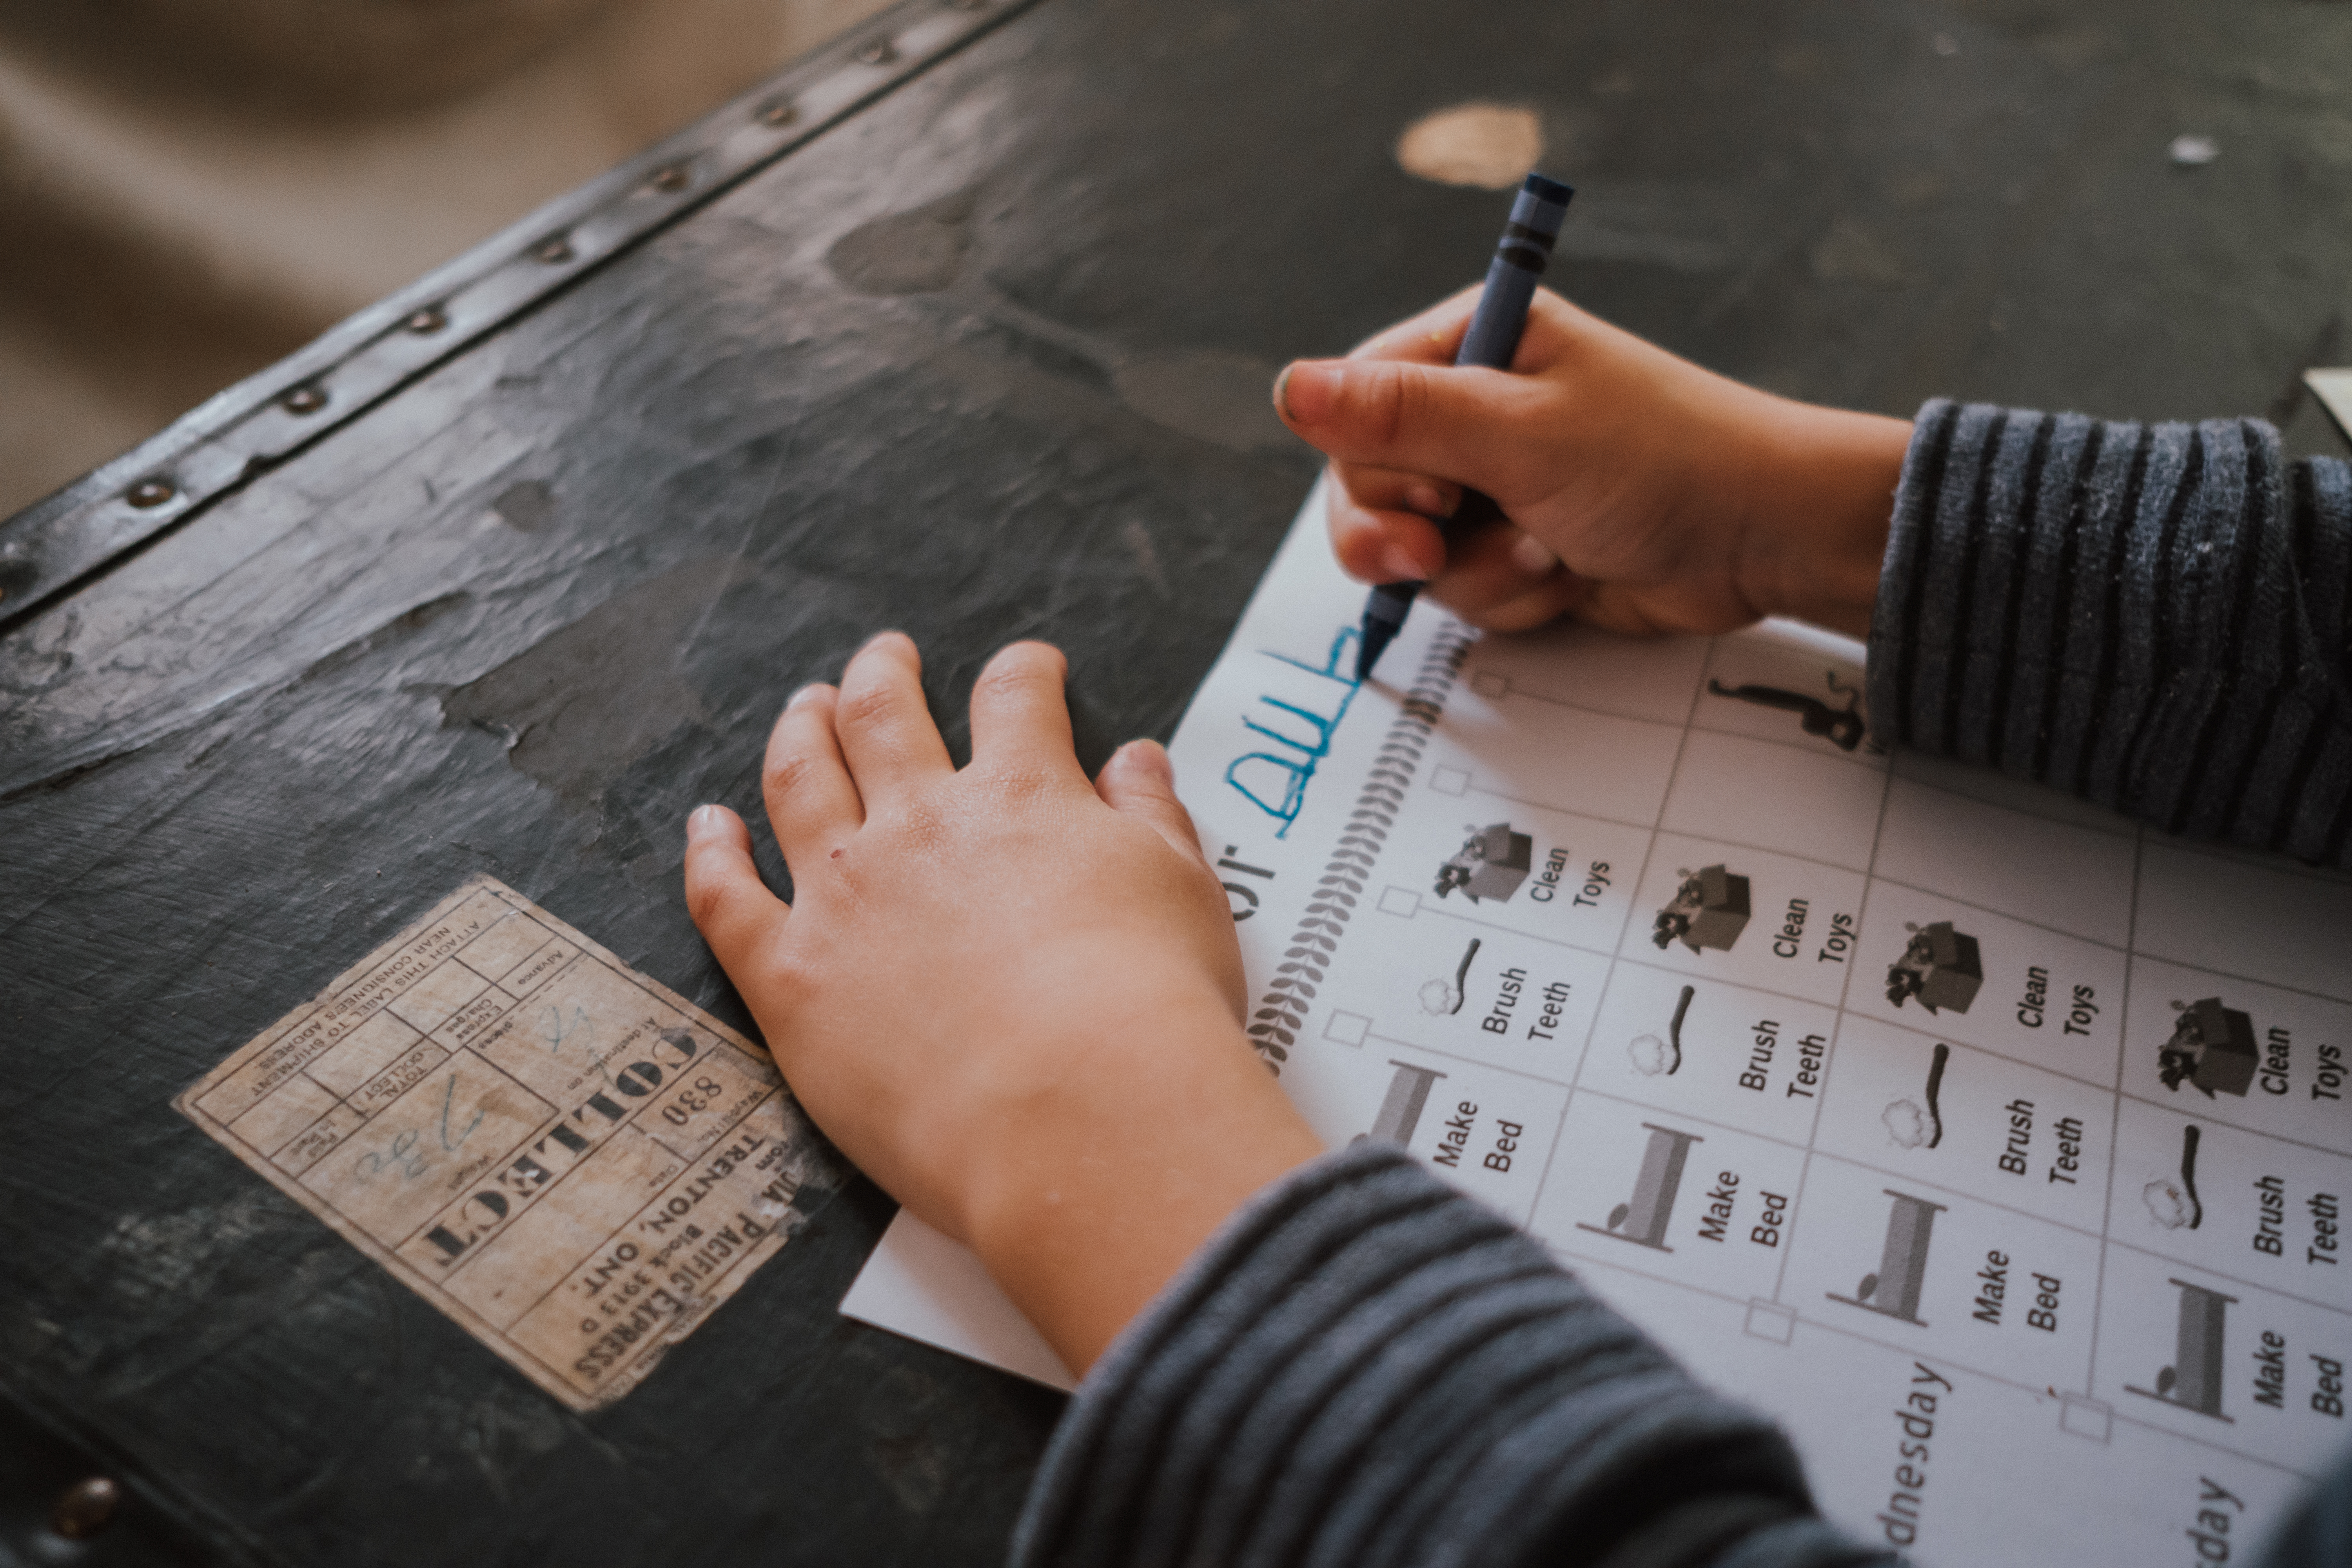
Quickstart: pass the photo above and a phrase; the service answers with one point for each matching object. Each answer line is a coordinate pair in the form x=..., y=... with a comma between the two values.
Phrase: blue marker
x=1493, y=338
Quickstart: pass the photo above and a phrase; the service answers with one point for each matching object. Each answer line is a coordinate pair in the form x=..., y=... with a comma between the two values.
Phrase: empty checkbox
x=2085, y=1418
x=1771, y=1320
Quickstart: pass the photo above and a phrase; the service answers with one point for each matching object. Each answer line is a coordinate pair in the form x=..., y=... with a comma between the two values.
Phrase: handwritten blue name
x=1276, y=781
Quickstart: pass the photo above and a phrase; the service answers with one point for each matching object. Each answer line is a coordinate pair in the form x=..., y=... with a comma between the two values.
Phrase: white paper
x=927, y=1287
x=1963, y=1255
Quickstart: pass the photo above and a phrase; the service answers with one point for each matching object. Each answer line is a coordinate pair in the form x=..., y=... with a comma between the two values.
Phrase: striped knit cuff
x=1366, y=1367
x=2148, y=615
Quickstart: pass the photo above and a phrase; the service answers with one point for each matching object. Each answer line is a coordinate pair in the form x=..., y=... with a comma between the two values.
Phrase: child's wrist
x=1823, y=484
x=1177, y=1120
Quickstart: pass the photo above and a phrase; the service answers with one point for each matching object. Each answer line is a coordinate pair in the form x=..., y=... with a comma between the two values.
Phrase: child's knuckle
x=1394, y=399
x=706, y=901
x=867, y=707
x=916, y=829
x=1016, y=785
x=786, y=774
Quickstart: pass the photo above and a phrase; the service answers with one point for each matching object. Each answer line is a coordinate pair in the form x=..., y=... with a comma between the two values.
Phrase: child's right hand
x=1642, y=493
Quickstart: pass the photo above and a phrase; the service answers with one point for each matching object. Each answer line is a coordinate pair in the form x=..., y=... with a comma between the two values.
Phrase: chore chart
x=1995, y=1146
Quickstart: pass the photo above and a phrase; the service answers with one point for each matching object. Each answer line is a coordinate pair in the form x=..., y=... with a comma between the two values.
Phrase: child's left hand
x=1011, y=997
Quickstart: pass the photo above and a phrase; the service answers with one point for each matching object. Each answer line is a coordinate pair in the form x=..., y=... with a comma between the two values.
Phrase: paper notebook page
x=1921, y=1107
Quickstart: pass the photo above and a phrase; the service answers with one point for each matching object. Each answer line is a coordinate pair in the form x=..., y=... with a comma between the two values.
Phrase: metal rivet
x=151, y=492
x=304, y=400
x=17, y=569
x=878, y=53
x=430, y=319
x=86, y=1508
x=554, y=251
x=783, y=112
x=673, y=179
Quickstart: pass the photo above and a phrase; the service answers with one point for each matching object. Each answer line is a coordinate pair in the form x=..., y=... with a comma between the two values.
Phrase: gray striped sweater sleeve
x=2150, y=615
x=1365, y=1367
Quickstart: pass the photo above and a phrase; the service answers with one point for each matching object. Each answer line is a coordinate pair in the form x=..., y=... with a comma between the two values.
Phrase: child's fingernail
x=1398, y=562
x=701, y=821
x=1532, y=555
x=804, y=693
x=1304, y=390
x=1146, y=756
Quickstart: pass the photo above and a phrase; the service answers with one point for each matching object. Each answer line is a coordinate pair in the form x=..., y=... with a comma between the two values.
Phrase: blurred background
x=190, y=189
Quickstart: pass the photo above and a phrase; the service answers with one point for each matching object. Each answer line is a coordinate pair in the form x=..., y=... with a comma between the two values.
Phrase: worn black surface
x=988, y=361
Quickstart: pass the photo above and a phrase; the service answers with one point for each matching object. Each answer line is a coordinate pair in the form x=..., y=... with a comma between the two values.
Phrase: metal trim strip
x=59, y=544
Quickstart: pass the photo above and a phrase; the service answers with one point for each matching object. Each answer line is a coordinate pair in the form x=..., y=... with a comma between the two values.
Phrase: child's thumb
x=1137, y=781
x=1441, y=420
x=729, y=903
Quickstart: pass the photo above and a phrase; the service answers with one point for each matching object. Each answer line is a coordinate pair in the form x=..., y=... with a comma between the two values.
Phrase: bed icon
x=1643, y=1220
x=1401, y=1108
x=1894, y=1290
x=2193, y=1381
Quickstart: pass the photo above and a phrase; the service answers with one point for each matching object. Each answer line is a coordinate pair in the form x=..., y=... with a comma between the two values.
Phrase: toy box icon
x=1940, y=966
x=2211, y=1047
x=1709, y=909
x=1491, y=864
